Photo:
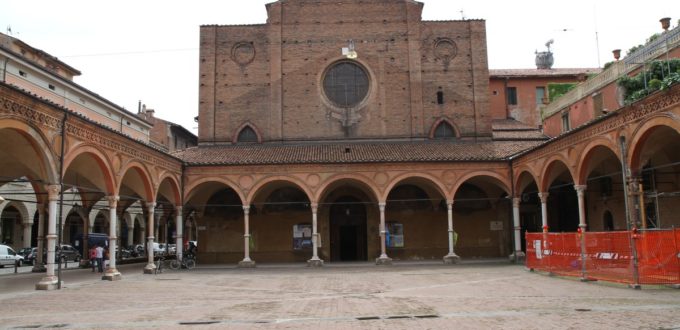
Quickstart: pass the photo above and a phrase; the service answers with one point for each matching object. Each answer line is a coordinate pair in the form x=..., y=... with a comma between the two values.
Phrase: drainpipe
x=61, y=193
x=632, y=228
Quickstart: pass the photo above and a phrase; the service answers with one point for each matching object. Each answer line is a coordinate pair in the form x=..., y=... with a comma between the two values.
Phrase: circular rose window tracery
x=345, y=84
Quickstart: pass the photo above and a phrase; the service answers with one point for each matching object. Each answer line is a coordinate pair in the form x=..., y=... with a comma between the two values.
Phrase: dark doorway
x=348, y=230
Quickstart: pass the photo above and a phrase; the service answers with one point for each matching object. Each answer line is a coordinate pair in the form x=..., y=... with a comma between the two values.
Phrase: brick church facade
x=338, y=131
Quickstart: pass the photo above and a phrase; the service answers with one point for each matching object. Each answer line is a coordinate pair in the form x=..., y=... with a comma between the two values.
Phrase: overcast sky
x=131, y=50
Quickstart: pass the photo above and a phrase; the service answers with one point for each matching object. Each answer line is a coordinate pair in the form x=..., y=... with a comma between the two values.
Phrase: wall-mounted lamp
x=349, y=51
x=617, y=54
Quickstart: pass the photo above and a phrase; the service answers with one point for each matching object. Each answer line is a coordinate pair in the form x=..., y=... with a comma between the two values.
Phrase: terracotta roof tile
x=333, y=153
x=510, y=129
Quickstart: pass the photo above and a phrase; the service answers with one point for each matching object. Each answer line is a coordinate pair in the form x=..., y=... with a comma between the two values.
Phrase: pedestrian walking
x=100, y=258
x=93, y=257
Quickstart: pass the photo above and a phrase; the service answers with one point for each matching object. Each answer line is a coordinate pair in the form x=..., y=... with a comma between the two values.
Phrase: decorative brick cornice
x=86, y=132
x=28, y=114
x=653, y=104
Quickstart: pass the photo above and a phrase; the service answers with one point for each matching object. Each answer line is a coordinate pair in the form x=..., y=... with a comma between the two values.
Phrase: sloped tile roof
x=338, y=152
x=510, y=129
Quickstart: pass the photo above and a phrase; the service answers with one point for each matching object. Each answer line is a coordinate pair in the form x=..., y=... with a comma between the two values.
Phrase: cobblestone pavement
x=345, y=296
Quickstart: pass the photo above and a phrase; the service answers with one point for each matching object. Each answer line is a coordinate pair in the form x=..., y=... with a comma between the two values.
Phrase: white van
x=8, y=257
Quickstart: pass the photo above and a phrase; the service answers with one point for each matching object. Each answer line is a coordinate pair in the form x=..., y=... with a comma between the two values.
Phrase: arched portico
x=481, y=216
x=351, y=220
x=281, y=222
x=416, y=218
x=217, y=209
x=654, y=165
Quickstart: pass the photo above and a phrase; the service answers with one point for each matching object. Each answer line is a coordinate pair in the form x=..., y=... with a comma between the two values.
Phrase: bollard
x=16, y=266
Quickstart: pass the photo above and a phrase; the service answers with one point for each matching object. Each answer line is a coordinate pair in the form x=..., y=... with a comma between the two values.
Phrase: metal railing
x=665, y=42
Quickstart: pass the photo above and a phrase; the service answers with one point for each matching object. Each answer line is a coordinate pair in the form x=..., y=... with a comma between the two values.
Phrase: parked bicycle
x=188, y=262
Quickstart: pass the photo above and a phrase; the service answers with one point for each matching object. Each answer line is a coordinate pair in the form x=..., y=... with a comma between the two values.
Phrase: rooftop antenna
x=597, y=37
x=550, y=42
x=9, y=29
x=462, y=14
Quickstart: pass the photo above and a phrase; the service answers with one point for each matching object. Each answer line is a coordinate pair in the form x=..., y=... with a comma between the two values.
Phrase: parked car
x=65, y=252
x=8, y=257
x=30, y=255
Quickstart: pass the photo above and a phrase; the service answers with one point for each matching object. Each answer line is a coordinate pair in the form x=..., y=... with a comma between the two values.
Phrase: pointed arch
x=440, y=129
x=247, y=133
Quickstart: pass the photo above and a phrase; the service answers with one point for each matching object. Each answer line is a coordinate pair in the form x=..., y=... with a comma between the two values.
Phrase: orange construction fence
x=646, y=257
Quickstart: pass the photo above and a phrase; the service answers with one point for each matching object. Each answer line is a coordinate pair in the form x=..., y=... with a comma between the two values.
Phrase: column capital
x=449, y=205
x=516, y=201
x=543, y=196
x=382, y=205
x=150, y=206
x=314, y=207
x=580, y=188
x=178, y=209
x=53, y=191
x=246, y=209
x=113, y=200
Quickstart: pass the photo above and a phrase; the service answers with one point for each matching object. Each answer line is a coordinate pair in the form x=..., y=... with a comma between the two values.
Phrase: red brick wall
x=279, y=91
x=526, y=110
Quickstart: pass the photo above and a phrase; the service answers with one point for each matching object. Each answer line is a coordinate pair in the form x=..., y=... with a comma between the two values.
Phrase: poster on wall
x=394, y=238
x=302, y=236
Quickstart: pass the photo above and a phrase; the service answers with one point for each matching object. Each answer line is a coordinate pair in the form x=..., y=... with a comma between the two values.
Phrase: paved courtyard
x=340, y=296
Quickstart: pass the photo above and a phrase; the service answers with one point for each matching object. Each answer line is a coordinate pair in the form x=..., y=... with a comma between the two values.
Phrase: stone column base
x=112, y=275
x=451, y=259
x=314, y=263
x=517, y=257
x=383, y=261
x=39, y=269
x=246, y=264
x=48, y=283
x=150, y=269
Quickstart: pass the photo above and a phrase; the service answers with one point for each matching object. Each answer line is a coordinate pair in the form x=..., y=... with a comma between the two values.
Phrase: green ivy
x=556, y=90
x=657, y=76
